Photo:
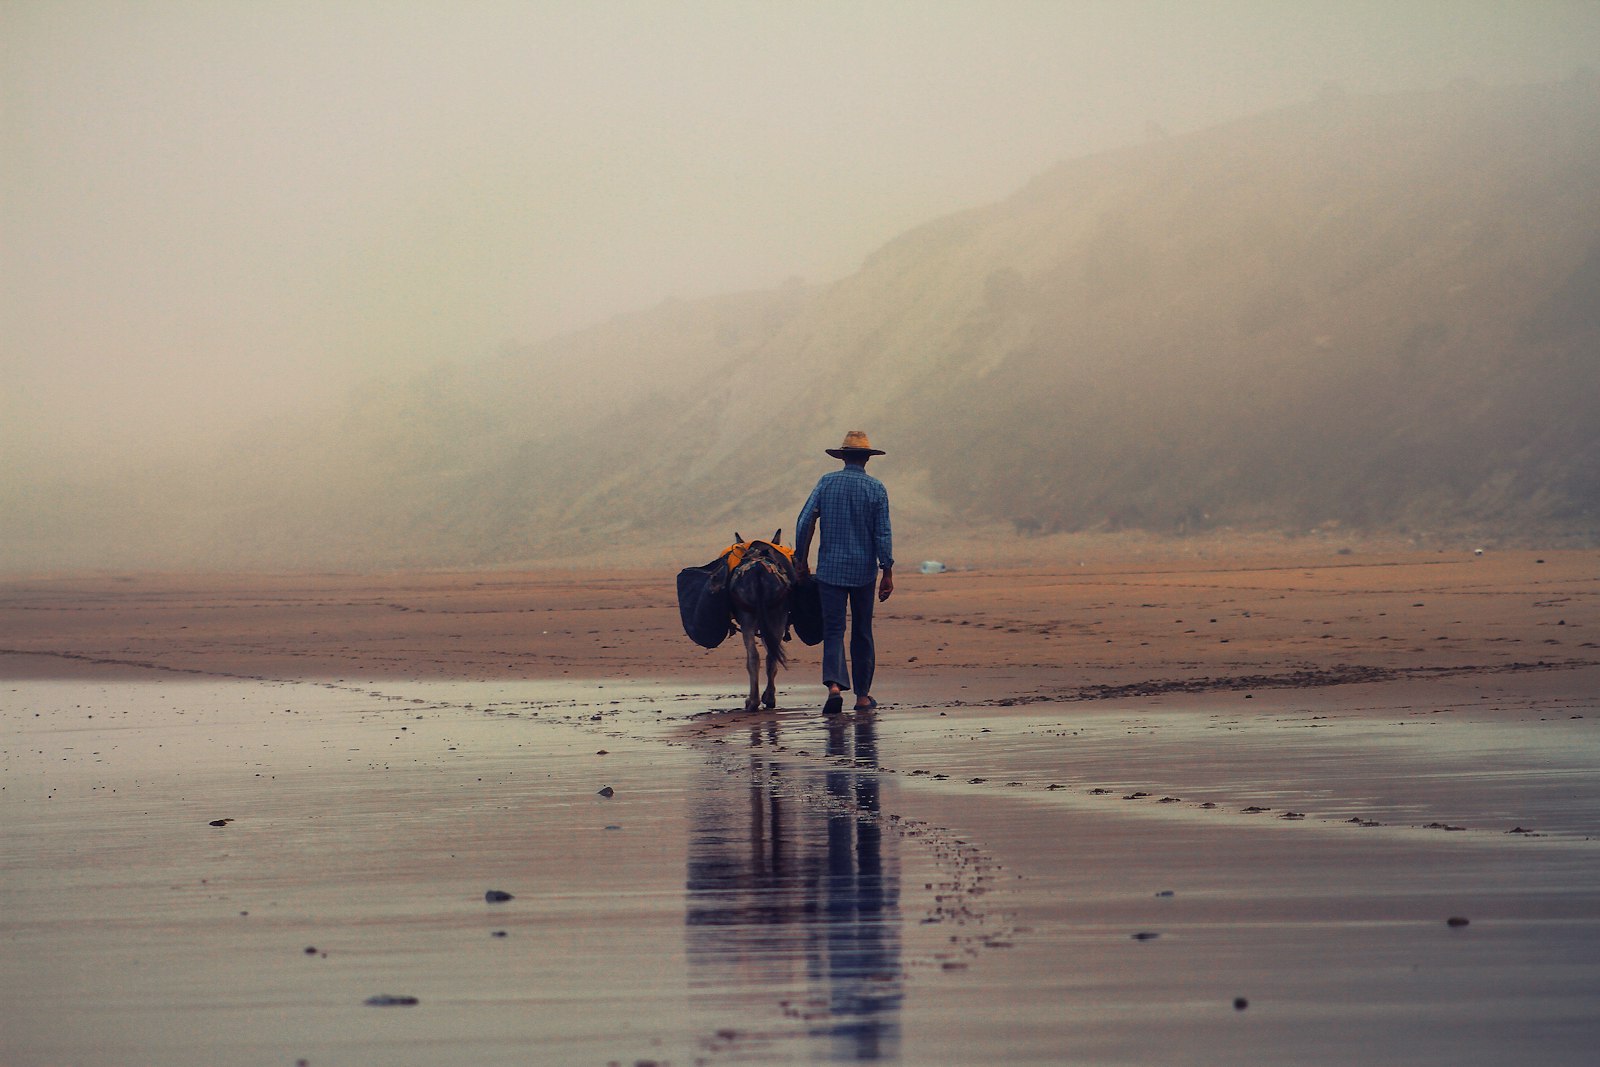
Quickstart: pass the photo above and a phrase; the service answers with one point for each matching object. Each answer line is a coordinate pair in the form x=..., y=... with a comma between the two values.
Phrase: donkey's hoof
x=769, y=701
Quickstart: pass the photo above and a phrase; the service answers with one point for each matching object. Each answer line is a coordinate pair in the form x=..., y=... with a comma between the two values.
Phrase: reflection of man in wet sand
x=799, y=896
x=862, y=905
x=853, y=508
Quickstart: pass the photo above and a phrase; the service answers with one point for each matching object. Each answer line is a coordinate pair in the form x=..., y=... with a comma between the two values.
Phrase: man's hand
x=802, y=567
x=886, y=585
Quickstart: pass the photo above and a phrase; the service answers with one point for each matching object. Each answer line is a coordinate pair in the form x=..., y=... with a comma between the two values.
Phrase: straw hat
x=855, y=444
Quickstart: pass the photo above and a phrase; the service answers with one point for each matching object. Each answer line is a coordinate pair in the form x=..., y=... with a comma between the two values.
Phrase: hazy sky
x=211, y=209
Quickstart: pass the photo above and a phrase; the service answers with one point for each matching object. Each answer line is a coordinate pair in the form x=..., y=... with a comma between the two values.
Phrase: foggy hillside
x=1379, y=312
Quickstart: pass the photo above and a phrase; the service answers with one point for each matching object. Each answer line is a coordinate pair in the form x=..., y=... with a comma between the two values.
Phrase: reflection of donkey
x=758, y=591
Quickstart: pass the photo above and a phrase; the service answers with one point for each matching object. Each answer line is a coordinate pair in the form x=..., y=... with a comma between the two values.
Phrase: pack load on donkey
x=705, y=604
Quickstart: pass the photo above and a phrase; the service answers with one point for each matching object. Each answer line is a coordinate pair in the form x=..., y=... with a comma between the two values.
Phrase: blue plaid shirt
x=856, y=540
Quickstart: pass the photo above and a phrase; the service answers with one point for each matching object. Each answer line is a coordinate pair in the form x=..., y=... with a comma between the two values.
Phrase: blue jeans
x=862, y=654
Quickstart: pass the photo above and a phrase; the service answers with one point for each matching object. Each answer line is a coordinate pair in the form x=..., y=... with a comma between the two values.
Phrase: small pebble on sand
x=390, y=1000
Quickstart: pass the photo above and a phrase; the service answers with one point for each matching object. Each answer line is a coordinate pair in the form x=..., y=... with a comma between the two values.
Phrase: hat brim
x=846, y=453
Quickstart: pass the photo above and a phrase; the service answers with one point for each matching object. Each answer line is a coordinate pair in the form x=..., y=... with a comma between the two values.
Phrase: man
x=853, y=508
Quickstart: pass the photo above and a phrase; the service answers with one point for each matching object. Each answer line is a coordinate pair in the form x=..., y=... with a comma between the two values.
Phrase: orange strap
x=733, y=554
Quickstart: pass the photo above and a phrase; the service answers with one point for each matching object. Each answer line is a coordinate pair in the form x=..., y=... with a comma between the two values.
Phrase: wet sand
x=1288, y=803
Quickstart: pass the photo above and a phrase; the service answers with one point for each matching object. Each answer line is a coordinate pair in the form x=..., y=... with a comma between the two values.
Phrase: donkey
x=758, y=591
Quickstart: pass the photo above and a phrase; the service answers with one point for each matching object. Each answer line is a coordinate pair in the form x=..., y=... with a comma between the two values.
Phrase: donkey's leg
x=752, y=663
x=770, y=697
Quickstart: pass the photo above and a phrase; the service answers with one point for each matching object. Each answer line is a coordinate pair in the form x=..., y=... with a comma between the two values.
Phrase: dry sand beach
x=1288, y=807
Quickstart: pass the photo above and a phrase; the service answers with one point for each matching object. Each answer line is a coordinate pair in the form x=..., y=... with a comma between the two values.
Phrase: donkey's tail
x=774, y=615
x=774, y=612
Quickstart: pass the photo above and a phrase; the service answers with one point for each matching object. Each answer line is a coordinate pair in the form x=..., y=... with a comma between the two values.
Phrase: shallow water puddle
x=227, y=872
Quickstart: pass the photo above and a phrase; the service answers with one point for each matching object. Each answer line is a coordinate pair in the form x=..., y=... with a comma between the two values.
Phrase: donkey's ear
x=737, y=539
x=777, y=538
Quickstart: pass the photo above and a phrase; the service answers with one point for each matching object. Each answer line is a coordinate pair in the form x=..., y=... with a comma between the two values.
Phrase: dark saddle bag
x=703, y=602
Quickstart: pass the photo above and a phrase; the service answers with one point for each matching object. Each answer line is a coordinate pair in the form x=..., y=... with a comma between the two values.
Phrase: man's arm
x=804, y=527
x=884, y=545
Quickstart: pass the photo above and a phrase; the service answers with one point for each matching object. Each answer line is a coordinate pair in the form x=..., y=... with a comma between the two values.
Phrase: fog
x=217, y=212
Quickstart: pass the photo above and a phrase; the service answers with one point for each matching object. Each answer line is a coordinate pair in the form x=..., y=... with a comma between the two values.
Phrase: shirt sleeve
x=885, y=536
x=804, y=526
